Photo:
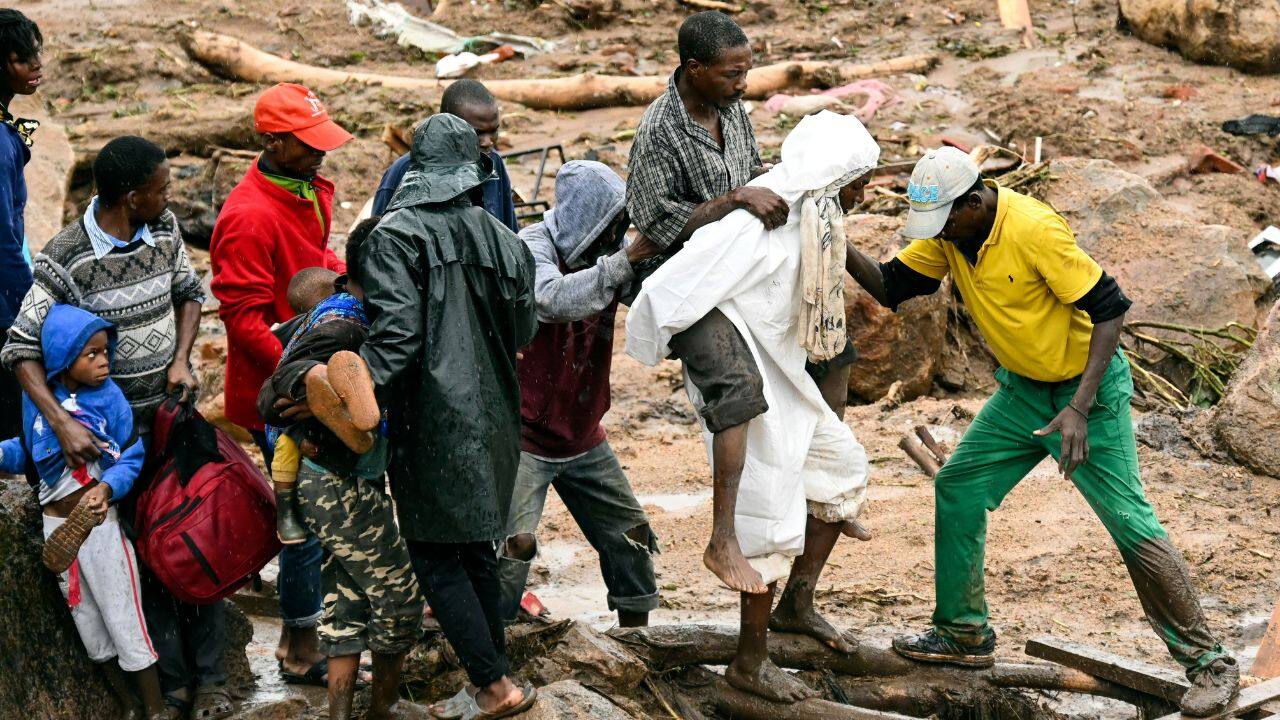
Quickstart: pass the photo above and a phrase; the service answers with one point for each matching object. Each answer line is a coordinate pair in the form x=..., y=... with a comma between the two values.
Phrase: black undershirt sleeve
x=901, y=283
x=1105, y=301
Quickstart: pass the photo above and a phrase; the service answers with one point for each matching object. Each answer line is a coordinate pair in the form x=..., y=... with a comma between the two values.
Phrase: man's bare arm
x=866, y=272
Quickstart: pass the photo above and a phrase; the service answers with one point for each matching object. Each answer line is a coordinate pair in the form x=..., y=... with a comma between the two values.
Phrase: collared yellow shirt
x=1020, y=293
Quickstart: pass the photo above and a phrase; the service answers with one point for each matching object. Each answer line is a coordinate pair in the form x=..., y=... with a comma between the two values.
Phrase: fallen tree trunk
x=735, y=703
x=240, y=61
x=896, y=683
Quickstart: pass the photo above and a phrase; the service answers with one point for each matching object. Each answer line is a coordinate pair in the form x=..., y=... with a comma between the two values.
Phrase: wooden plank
x=1133, y=674
x=1267, y=663
x=1250, y=698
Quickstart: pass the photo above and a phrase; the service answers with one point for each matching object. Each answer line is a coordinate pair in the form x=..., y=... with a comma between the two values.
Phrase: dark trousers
x=298, y=584
x=189, y=639
x=460, y=581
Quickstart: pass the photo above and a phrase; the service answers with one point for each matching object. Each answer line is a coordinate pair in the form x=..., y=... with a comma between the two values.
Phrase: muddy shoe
x=330, y=410
x=289, y=526
x=350, y=379
x=932, y=647
x=63, y=544
x=1212, y=687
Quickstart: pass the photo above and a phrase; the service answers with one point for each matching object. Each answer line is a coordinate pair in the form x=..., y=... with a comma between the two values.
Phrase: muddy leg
x=384, y=700
x=147, y=683
x=119, y=684
x=751, y=670
x=795, y=611
x=723, y=555
x=342, y=685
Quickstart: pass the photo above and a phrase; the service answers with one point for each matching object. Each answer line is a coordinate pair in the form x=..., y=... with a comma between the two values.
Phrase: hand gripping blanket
x=801, y=459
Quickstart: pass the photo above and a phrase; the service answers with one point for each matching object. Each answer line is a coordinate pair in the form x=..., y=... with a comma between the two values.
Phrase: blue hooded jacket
x=103, y=409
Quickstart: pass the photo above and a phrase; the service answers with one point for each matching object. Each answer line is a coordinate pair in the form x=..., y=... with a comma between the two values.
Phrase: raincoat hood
x=824, y=152
x=445, y=162
x=591, y=195
x=66, y=330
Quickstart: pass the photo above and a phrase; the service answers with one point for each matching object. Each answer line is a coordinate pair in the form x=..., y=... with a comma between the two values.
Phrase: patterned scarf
x=26, y=128
x=822, y=253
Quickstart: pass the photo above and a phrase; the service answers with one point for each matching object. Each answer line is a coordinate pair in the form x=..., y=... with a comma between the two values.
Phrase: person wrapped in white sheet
x=804, y=476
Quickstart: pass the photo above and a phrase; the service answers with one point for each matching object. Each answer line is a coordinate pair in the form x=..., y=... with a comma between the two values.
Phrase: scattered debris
x=968, y=49
x=878, y=94
x=713, y=5
x=1267, y=172
x=1253, y=125
x=1204, y=160
x=1266, y=248
x=1182, y=92
x=1015, y=15
x=458, y=64
x=1185, y=366
x=391, y=18
x=919, y=455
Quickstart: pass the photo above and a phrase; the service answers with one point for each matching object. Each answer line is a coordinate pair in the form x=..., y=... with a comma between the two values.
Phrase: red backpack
x=206, y=521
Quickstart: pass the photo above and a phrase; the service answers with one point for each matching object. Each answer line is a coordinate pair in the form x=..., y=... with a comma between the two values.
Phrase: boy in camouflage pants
x=371, y=595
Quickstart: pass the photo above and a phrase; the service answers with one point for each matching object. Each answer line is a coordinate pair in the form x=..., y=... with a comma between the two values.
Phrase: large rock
x=570, y=700
x=1247, y=420
x=47, y=175
x=1244, y=34
x=597, y=660
x=905, y=346
x=44, y=672
x=1174, y=268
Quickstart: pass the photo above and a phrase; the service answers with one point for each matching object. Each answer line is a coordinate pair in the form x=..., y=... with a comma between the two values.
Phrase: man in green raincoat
x=449, y=294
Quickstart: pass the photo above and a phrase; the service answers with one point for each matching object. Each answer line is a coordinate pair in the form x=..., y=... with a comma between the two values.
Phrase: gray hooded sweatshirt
x=589, y=197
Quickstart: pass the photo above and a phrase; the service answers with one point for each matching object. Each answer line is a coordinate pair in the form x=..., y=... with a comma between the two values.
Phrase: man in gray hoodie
x=581, y=269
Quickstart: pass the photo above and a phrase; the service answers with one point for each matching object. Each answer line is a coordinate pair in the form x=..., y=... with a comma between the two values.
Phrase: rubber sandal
x=530, y=697
x=63, y=544
x=351, y=380
x=212, y=702
x=316, y=675
x=175, y=708
x=328, y=408
x=455, y=707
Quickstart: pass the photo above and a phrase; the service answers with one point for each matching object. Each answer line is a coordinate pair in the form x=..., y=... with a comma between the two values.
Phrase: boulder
x=571, y=700
x=1247, y=420
x=1243, y=34
x=905, y=346
x=1174, y=268
x=43, y=666
x=597, y=660
x=47, y=175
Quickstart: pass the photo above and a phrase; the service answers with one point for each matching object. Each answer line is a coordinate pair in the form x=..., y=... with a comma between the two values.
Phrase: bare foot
x=726, y=561
x=503, y=697
x=769, y=682
x=855, y=530
x=786, y=618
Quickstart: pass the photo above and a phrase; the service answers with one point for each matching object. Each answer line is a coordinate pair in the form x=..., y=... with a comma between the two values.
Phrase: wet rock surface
x=905, y=346
x=44, y=670
x=1247, y=419
x=571, y=700
x=1243, y=34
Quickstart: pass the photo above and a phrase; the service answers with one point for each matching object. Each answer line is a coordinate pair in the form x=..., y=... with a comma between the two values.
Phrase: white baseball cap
x=940, y=177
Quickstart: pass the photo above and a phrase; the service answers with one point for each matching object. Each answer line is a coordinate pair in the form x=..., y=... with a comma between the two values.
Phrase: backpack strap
x=168, y=415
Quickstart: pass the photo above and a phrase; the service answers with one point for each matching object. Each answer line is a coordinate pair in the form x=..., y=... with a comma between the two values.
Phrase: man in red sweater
x=274, y=223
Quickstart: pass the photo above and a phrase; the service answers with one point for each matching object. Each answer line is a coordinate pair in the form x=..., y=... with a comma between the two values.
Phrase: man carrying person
x=581, y=268
x=274, y=223
x=1064, y=392
x=449, y=295
x=801, y=476
x=20, y=74
x=471, y=101
x=124, y=261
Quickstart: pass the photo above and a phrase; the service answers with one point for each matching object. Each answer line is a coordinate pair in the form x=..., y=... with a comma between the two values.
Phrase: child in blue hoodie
x=98, y=571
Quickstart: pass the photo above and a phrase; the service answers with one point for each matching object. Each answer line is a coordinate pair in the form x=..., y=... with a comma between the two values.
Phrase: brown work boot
x=331, y=411
x=63, y=544
x=351, y=380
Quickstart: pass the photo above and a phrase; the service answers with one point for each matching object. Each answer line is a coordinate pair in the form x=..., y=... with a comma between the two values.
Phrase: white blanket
x=798, y=450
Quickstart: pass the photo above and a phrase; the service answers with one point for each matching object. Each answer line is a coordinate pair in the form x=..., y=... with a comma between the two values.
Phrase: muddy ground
x=114, y=67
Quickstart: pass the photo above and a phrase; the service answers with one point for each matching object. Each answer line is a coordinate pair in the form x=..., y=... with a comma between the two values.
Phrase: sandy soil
x=114, y=66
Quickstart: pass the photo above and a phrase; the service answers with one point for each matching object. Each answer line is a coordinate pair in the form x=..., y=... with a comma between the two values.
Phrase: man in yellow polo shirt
x=1052, y=318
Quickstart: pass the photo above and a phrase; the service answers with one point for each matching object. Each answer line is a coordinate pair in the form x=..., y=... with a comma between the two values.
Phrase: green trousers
x=999, y=449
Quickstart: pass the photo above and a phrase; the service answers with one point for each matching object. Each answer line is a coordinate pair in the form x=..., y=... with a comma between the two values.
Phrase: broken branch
x=938, y=452
x=241, y=61
x=712, y=5
x=917, y=453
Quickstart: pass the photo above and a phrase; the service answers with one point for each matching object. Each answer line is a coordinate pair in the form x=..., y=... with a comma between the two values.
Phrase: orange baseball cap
x=289, y=107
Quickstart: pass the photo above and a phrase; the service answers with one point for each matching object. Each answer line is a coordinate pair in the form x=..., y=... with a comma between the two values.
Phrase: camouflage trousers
x=371, y=596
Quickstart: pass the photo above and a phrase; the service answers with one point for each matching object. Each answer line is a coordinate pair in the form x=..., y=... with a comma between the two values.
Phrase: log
x=932, y=445
x=666, y=647
x=735, y=703
x=919, y=455
x=1130, y=673
x=238, y=60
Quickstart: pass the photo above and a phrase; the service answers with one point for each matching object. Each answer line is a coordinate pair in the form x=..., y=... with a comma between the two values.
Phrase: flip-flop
x=455, y=707
x=530, y=697
x=350, y=378
x=317, y=674
x=63, y=544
